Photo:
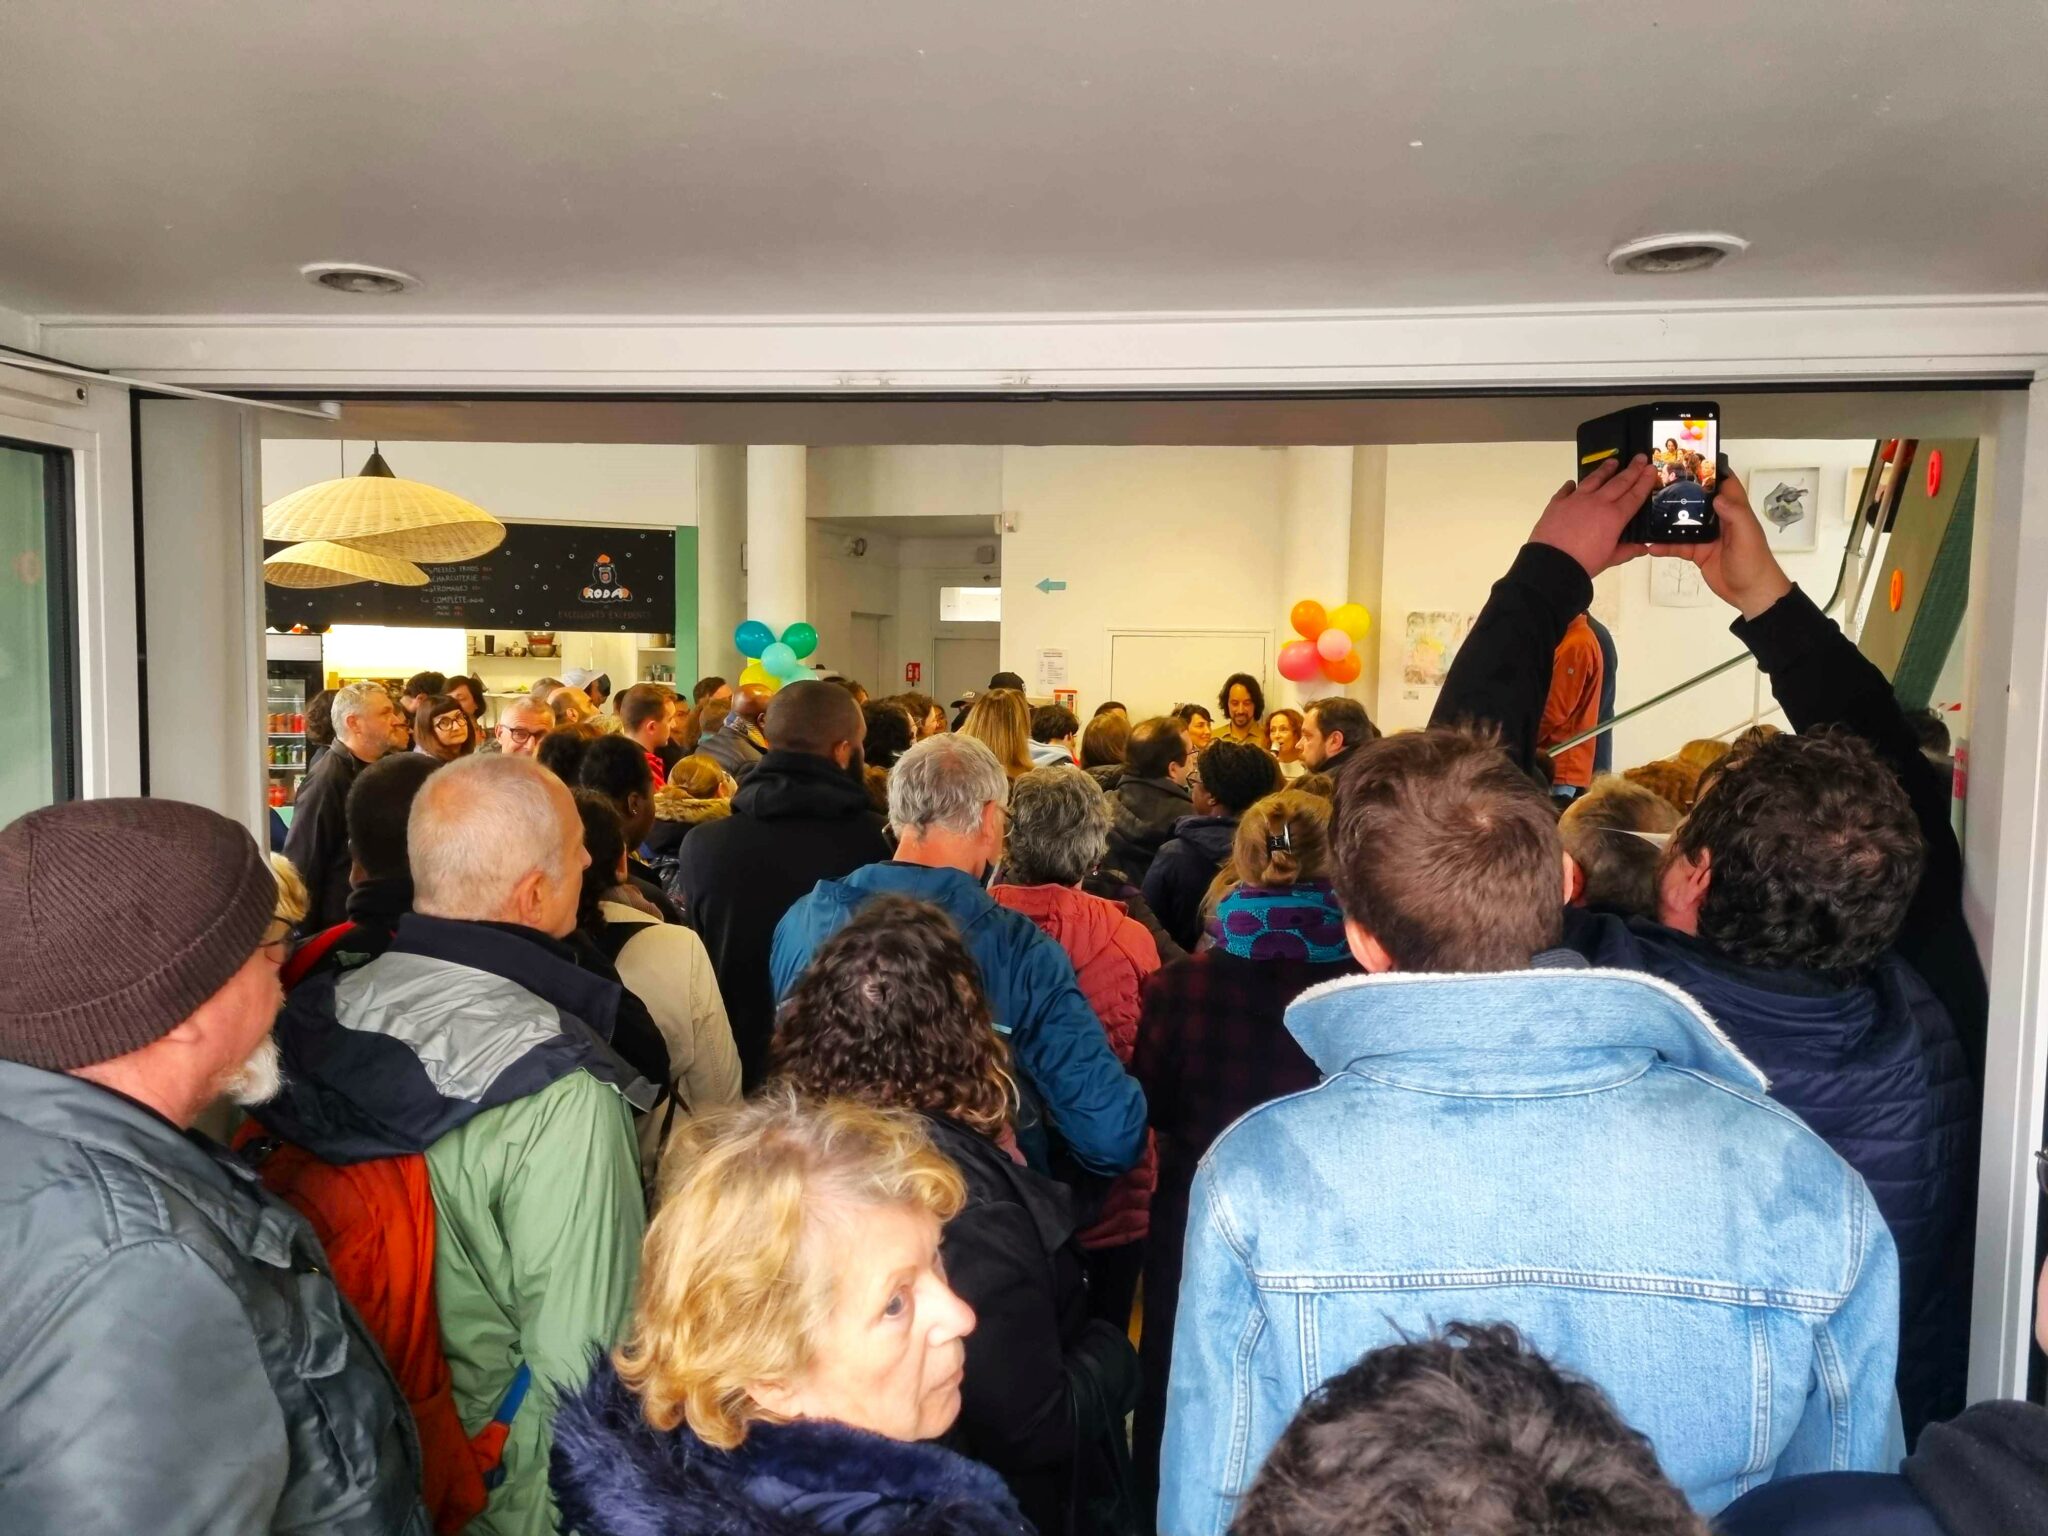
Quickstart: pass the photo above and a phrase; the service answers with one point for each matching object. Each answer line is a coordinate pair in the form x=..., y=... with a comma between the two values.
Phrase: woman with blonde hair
x=891, y=1012
x=794, y=1346
x=1213, y=1042
x=1001, y=721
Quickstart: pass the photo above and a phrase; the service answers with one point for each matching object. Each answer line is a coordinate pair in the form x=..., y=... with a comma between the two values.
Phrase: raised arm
x=1502, y=672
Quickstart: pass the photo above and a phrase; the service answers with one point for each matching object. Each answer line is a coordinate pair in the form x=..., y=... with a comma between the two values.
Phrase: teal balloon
x=781, y=660
x=753, y=637
x=801, y=638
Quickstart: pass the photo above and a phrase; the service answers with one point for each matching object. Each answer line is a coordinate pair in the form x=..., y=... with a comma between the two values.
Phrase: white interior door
x=864, y=653
x=1152, y=670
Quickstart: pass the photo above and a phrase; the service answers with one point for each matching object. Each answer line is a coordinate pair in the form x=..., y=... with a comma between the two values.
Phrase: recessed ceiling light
x=1661, y=255
x=355, y=277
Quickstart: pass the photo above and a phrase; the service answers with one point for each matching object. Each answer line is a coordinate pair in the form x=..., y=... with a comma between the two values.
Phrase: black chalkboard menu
x=543, y=577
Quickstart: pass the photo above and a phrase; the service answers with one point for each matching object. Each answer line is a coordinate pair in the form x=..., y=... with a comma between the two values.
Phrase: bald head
x=751, y=702
x=815, y=718
x=500, y=841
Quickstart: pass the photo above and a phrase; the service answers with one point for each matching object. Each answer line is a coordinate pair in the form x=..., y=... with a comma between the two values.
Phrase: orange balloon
x=1344, y=669
x=1308, y=618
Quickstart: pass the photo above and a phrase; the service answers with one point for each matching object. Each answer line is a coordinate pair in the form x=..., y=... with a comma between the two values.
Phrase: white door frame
x=95, y=432
x=1590, y=347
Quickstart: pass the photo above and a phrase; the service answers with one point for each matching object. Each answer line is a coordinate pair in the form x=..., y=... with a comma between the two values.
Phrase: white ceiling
x=703, y=157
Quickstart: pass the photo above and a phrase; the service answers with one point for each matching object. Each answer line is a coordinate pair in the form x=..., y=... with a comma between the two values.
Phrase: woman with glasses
x=442, y=728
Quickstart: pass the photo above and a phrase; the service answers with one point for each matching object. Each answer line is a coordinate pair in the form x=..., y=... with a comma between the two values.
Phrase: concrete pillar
x=721, y=582
x=778, y=575
x=1315, y=546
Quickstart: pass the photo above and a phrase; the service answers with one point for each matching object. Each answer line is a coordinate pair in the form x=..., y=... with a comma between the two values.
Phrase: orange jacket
x=1573, y=704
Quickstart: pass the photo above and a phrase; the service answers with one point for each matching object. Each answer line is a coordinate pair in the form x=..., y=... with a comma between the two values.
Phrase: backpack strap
x=489, y=1442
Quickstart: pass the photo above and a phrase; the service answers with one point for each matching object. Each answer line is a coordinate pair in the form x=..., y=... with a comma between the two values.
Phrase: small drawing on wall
x=1677, y=584
x=1432, y=640
x=1788, y=501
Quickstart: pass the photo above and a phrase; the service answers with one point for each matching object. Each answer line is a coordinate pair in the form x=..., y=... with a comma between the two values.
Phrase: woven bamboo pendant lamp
x=378, y=512
x=321, y=564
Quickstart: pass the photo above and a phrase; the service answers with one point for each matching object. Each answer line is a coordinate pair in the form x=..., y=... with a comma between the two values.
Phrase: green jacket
x=481, y=1047
x=539, y=1218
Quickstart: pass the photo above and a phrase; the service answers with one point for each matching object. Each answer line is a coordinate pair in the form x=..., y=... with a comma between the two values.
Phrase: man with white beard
x=178, y=1358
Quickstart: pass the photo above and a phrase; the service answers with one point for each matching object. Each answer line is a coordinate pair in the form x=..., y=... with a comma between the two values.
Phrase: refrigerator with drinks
x=291, y=677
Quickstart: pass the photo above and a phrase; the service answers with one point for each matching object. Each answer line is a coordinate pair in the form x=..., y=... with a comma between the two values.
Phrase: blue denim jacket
x=1579, y=1153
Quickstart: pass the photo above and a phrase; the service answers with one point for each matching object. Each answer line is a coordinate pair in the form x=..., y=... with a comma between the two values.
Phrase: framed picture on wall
x=1678, y=584
x=1788, y=501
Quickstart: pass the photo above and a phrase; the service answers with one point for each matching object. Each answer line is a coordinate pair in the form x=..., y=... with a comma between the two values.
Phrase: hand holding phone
x=1739, y=567
x=1586, y=519
x=1682, y=442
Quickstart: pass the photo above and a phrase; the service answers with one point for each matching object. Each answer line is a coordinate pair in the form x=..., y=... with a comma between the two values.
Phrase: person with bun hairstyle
x=1212, y=1042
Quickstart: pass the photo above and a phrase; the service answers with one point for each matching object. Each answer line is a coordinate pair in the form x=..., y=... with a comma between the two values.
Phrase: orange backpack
x=376, y=1221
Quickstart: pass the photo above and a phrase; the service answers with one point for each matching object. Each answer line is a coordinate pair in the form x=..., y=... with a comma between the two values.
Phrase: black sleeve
x=317, y=845
x=1823, y=682
x=1014, y=1408
x=1501, y=674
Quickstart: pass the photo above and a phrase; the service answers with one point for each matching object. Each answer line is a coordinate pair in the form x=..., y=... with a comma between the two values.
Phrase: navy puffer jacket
x=1873, y=1065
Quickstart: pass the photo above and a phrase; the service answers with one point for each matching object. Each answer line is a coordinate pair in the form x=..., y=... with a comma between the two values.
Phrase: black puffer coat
x=797, y=819
x=1142, y=817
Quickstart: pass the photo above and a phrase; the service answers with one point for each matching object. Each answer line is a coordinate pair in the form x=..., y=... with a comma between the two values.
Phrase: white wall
x=942, y=480
x=1456, y=514
x=630, y=485
x=1145, y=538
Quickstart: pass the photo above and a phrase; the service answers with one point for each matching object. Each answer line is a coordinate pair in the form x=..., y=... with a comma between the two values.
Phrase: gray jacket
x=174, y=1356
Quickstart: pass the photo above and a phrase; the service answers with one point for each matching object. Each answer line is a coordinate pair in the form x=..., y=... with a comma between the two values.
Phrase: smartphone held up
x=1682, y=441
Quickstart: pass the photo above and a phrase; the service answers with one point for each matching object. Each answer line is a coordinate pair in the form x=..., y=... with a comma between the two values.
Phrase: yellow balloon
x=1352, y=619
x=760, y=677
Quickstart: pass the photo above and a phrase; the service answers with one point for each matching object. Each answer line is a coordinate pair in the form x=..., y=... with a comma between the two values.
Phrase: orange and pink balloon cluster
x=1329, y=642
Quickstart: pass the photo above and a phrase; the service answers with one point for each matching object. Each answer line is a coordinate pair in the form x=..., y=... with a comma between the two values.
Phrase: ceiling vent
x=1663, y=255
x=354, y=277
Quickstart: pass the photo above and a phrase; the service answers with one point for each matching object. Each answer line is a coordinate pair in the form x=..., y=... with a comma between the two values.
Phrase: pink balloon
x=1333, y=644
x=1298, y=660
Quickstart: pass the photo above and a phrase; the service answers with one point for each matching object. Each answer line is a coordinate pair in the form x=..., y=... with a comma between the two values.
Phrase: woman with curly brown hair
x=891, y=1013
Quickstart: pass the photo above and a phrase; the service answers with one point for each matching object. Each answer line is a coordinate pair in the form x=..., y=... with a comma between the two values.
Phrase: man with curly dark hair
x=1243, y=705
x=1471, y=1431
x=1810, y=900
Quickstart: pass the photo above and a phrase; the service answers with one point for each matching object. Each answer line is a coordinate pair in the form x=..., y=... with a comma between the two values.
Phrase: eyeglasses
x=277, y=935
x=519, y=735
x=448, y=724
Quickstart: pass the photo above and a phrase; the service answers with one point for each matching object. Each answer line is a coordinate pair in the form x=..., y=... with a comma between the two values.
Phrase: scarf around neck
x=1293, y=922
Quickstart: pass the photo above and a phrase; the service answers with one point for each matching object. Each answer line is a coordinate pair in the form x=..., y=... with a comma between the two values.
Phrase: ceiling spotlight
x=1662, y=255
x=354, y=277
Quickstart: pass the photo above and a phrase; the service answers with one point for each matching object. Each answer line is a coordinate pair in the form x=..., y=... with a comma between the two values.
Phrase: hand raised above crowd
x=1585, y=518
x=1739, y=566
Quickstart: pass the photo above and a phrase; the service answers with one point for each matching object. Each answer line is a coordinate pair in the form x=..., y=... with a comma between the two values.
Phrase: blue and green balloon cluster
x=772, y=662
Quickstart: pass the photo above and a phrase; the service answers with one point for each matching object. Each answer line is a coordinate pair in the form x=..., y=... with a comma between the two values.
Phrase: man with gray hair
x=947, y=805
x=317, y=843
x=476, y=1041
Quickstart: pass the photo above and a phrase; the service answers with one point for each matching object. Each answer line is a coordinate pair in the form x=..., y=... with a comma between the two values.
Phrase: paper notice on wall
x=1052, y=670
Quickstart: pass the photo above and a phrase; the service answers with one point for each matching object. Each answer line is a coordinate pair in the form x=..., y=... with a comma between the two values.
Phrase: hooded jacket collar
x=1511, y=1031
x=1210, y=836
x=786, y=786
x=959, y=896
x=615, y=1475
x=1145, y=810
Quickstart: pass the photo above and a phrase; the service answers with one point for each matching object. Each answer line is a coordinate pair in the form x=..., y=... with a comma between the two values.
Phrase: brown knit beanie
x=119, y=918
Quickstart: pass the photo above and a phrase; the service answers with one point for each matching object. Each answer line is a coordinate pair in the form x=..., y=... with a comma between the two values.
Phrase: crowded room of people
x=801, y=817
